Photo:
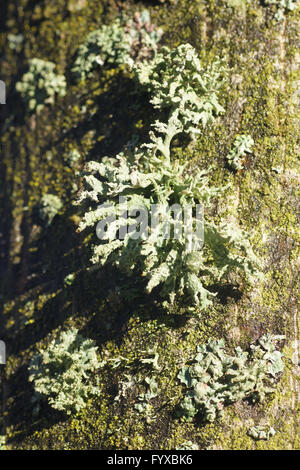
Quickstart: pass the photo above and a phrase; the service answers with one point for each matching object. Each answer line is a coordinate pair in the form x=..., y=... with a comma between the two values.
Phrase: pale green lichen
x=48, y=207
x=216, y=379
x=108, y=45
x=72, y=157
x=143, y=404
x=40, y=85
x=147, y=180
x=261, y=432
x=122, y=42
x=63, y=372
x=242, y=145
x=176, y=79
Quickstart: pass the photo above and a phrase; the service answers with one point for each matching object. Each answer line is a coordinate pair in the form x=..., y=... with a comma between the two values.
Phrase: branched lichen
x=137, y=180
x=176, y=79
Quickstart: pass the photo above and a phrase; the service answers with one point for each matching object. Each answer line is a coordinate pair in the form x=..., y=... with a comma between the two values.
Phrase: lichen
x=260, y=100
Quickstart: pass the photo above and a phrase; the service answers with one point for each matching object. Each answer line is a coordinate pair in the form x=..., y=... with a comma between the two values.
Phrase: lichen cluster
x=64, y=371
x=122, y=42
x=47, y=208
x=40, y=85
x=216, y=378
